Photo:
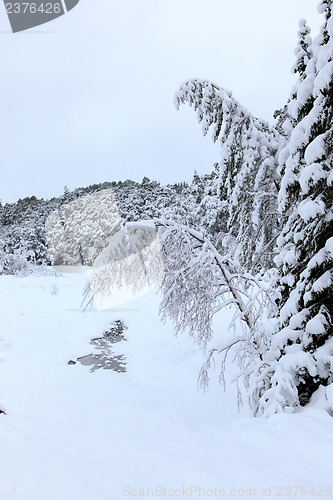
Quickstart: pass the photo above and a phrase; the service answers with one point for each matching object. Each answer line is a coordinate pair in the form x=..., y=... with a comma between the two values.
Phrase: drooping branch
x=203, y=377
x=220, y=261
x=216, y=106
x=249, y=160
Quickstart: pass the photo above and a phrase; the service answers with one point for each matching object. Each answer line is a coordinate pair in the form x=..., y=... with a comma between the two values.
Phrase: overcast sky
x=88, y=97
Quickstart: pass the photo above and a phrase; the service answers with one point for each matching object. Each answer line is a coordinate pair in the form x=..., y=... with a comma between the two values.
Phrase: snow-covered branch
x=248, y=177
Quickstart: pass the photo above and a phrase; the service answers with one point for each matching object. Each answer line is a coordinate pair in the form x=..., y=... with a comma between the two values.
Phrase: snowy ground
x=71, y=434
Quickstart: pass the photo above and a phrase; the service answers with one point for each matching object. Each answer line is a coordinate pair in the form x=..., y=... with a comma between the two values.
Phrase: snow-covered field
x=70, y=434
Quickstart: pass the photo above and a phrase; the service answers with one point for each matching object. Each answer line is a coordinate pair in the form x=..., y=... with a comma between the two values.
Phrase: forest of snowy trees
x=255, y=233
x=23, y=238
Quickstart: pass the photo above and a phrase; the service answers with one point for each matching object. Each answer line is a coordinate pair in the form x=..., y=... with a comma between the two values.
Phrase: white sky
x=88, y=97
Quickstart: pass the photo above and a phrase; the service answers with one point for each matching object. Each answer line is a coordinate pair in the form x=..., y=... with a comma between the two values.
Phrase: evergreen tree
x=300, y=357
x=248, y=177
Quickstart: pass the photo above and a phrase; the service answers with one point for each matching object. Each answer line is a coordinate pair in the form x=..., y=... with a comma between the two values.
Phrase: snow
x=322, y=7
x=315, y=150
x=70, y=434
x=295, y=359
x=330, y=179
x=304, y=92
x=287, y=255
x=323, y=282
x=311, y=173
x=329, y=245
x=324, y=357
x=317, y=325
x=310, y=209
x=323, y=78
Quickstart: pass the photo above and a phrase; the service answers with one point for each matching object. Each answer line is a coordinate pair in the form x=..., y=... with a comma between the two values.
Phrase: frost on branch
x=198, y=283
x=130, y=264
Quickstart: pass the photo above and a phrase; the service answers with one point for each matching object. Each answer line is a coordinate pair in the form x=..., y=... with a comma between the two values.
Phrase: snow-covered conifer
x=248, y=173
x=300, y=358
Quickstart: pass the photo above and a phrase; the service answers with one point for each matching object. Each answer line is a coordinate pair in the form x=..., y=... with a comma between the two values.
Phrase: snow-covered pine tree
x=300, y=357
x=248, y=175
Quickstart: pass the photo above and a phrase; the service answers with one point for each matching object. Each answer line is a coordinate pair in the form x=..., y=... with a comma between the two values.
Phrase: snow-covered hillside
x=70, y=434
